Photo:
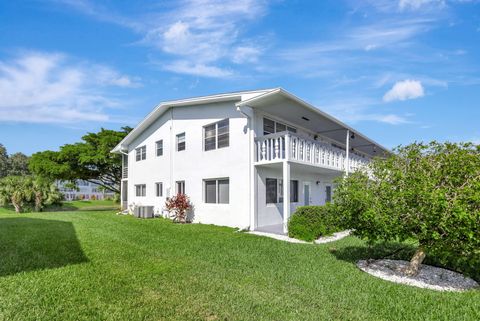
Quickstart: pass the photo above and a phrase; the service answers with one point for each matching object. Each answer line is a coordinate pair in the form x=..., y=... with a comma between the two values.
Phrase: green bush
x=310, y=222
x=428, y=193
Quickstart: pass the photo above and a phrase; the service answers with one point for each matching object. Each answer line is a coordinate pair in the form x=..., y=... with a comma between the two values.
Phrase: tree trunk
x=38, y=202
x=417, y=259
x=17, y=206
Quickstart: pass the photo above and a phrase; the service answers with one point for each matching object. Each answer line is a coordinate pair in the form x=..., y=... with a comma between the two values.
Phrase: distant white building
x=232, y=154
x=84, y=191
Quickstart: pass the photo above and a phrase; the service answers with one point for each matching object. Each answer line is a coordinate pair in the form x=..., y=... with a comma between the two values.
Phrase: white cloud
x=360, y=109
x=246, y=54
x=403, y=90
x=52, y=88
x=196, y=69
x=201, y=34
x=417, y=4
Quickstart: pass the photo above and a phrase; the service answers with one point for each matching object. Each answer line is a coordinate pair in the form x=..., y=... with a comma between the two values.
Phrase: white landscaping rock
x=429, y=277
x=335, y=237
x=277, y=237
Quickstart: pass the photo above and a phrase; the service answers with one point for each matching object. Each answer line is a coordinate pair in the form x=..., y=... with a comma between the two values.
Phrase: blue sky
x=398, y=71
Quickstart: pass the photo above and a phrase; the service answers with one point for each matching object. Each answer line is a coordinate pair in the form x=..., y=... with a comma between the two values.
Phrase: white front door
x=306, y=193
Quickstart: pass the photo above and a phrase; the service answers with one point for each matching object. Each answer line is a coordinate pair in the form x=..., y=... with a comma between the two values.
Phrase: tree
x=3, y=161
x=18, y=165
x=429, y=193
x=44, y=193
x=27, y=191
x=89, y=160
x=16, y=191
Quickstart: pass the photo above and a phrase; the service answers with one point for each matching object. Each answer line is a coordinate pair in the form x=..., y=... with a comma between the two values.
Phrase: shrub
x=179, y=205
x=310, y=222
x=429, y=193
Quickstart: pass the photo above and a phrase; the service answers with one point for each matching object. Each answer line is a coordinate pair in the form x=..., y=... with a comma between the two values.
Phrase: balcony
x=292, y=147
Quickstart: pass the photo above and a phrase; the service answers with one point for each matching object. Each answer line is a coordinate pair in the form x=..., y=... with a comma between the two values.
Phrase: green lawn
x=95, y=265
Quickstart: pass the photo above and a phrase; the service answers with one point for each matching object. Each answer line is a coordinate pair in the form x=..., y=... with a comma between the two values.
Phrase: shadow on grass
x=28, y=244
x=394, y=251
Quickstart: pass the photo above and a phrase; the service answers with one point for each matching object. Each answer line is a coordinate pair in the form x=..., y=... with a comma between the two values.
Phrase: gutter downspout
x=121, y=181
x=172, y=152
x=248, y=113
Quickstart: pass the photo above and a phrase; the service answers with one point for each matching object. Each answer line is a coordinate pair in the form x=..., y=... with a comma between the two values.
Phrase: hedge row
x=310, y=222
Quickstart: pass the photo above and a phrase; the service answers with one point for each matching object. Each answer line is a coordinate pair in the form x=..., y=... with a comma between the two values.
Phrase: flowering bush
x=179, y=205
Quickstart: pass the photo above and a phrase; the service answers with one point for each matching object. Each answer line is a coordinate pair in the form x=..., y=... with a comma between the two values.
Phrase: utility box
x=143, y=212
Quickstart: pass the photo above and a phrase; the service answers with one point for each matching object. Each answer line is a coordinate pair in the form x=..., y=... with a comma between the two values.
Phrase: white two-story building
x=245, y=159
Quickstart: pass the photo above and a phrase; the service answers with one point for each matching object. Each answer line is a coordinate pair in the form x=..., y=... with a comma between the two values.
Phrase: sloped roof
x=161, y=108
x=259, y=99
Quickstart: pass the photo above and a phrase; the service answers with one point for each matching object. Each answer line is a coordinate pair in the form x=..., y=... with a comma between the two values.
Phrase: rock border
x=335, y=237
x=321, y=240
x=429, y=277
x=279, y=237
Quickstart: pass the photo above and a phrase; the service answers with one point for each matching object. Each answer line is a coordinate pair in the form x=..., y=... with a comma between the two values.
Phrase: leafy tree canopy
x=3, y=161
x=429, y=193
x=13, y=165
x=89, y=160
x=18, y=165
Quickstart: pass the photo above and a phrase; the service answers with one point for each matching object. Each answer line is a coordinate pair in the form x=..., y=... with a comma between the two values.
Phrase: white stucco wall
x=272, y=214
x=193, y=165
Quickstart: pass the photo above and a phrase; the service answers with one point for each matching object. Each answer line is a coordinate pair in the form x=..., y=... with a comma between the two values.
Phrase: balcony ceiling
x=292, y=109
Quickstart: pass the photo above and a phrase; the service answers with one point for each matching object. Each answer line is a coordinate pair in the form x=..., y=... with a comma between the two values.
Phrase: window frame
x=142, y=188
x=216, y=134
x=157, y=148
x=217, y=190
x=141, y=153
x=288, y=128
x=184, y=141
x=182, y=186
x=279, y=190
x=159, y=189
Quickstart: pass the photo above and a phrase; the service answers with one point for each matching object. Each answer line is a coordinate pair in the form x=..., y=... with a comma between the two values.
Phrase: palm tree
x=16, y=190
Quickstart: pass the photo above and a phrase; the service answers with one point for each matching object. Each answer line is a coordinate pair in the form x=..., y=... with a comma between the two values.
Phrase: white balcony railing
x=286, y=145
x=125, y=172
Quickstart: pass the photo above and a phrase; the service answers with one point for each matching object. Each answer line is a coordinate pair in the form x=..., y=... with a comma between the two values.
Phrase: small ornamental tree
x=429, y=193
x=178, y=205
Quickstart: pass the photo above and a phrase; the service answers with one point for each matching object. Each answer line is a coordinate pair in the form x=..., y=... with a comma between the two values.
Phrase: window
x=159, y=147
x=140, y=190
x=271, y=127
x=158, y=189
x=180, y=187
x=181, y=142
x=271, y=188
x=141, y=153
x=217, y=191
x=274, y=190
x=217, y=135
x=328, y=194
x=293, y=191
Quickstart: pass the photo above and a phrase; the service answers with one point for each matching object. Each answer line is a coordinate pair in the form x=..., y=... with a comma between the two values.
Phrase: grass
x=94, y=265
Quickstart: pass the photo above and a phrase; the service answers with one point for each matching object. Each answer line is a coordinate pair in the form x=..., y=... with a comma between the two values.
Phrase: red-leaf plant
x=179, y=205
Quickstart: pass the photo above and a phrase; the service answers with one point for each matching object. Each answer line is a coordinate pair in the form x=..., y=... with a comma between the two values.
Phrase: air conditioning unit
x=143, y=211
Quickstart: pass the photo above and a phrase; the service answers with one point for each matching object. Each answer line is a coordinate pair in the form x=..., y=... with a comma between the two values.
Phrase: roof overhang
x=163, y=107
x=289, y=107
